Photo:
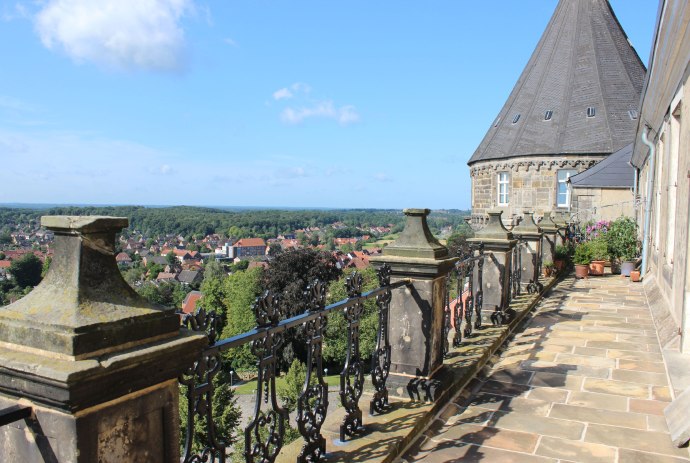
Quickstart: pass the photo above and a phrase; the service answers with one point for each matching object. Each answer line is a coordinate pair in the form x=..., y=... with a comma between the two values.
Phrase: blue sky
x=257, y=103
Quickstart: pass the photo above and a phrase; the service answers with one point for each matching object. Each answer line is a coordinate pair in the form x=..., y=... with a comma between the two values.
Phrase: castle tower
x=575, y=103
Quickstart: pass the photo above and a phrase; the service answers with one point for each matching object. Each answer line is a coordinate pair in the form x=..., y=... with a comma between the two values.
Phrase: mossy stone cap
x=527, y=226
x=494, y=230
x=83, y=307
x=416, y=240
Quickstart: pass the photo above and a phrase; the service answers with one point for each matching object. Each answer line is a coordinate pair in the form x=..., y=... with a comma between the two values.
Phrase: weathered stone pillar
x=416, y=311
x=97, y=363
x=550, y=238
x=531, y=252
x=498, y=247
x=560, y=221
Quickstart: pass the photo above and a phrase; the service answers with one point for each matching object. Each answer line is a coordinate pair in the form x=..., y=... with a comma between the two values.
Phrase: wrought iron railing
x=264, y=436
x=468, y=302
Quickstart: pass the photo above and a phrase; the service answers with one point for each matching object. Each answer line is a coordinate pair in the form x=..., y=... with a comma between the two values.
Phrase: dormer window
x=516, y=118
x=548, y=115
x=498, y=119
x=591, y=111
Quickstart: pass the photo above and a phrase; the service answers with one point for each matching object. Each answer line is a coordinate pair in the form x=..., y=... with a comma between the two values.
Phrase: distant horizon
x=39, y=206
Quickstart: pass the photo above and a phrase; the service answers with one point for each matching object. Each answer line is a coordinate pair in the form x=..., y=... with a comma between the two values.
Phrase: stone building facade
x=533, y=183
x=664, y=178
x=574, y=104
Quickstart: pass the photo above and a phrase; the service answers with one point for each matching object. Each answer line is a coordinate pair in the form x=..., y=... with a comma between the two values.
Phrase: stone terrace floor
x=584, y=381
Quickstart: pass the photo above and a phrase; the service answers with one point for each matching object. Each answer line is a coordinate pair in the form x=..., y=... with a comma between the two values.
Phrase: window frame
x=501, y=182
x=568, y=188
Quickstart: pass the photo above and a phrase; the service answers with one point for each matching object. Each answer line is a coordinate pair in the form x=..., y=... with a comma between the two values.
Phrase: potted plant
x=582, y=258
x=622, y=243
x=561, y=255
x=548, y=269
x=600, y=254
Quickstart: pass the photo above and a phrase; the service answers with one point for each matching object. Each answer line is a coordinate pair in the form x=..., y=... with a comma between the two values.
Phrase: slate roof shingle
x=582, y=60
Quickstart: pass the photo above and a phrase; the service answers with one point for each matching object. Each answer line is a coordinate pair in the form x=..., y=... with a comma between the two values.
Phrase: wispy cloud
x=117, y=34
x=322, y=109
x=381, y=177
x=231, y=42
x=282, y=94
x=306, y=107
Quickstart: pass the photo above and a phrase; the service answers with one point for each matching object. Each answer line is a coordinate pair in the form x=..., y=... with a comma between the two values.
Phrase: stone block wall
x=533, y=182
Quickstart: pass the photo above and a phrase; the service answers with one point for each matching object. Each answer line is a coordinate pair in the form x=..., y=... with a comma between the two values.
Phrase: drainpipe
x=648, y=207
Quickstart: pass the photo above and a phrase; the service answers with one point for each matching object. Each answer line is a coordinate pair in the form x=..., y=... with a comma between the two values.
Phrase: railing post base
x=416, y=311
x=97, y=364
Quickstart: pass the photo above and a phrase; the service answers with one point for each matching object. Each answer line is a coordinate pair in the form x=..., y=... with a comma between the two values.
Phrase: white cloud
x=301, y=87
x=321, y=109
x=231, y=42
x=381, y=177
x=117, y=34
x=282, y=94
x=166, y=169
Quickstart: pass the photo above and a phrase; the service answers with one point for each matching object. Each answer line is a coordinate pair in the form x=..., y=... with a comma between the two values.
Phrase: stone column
x=560, y=221
x=550, y=238
x=416, y=311
x=498, y=247
x=97, y=363
x=531, y=253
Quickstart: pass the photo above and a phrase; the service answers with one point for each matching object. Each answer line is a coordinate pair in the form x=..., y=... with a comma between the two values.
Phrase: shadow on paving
x=465, y=430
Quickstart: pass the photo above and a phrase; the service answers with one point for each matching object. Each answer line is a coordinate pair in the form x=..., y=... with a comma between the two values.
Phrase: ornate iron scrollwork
x=446, y=316
x=352, y=376
x=469, y=300
x=265, y=434
x=312, y=404
x=480, y=287
x=381, y=359
x=198, y=380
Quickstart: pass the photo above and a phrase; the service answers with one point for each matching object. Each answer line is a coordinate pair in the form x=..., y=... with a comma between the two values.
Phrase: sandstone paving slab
x=537, y=424
x=661, y=393
x=641, y=377
x=549, y=394
x=629, y=346
x=594, y=415
x=512, y=375
x=633, y=456
x=573, y=359
x=545, y=379
x=650, y=407
x=598, y=401
x=607, y=386
x=634, y=355
x=657, y=423
x=517, y=404
x=505, y=439
x=460, y=452
x=591, y=351
x=646, y=441
x=641, y=365
x=570, y=450
x=563, y=369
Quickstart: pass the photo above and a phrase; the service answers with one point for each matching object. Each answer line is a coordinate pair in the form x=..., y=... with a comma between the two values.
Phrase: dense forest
x=189, y=221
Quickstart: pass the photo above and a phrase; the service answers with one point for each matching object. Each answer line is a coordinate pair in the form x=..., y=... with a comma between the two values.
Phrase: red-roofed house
x=249, y=247
x=189, y=303
x=123, y=258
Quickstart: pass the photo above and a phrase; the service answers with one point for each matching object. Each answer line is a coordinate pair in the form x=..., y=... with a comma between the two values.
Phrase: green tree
x=213, y=296
x=240, y=290
x=213, y=269
x=291, y=389
x=226, y=414
x=5, y=238
x=26, y=270
x=335, y=342
x=2, y=256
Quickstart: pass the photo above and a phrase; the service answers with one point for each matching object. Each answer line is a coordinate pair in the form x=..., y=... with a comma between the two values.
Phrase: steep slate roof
x=582, y=60
x=615, y=171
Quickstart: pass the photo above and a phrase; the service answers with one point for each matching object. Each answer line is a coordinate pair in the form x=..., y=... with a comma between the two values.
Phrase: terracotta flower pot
x=581, y=270
x=635, y=275
x=559, y=264
x=596, y=267
x=547, y=272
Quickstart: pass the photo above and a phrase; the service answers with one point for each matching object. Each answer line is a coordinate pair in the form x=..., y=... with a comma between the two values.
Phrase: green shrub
x=622, y=239
x=599, y=248
x=583, y=253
